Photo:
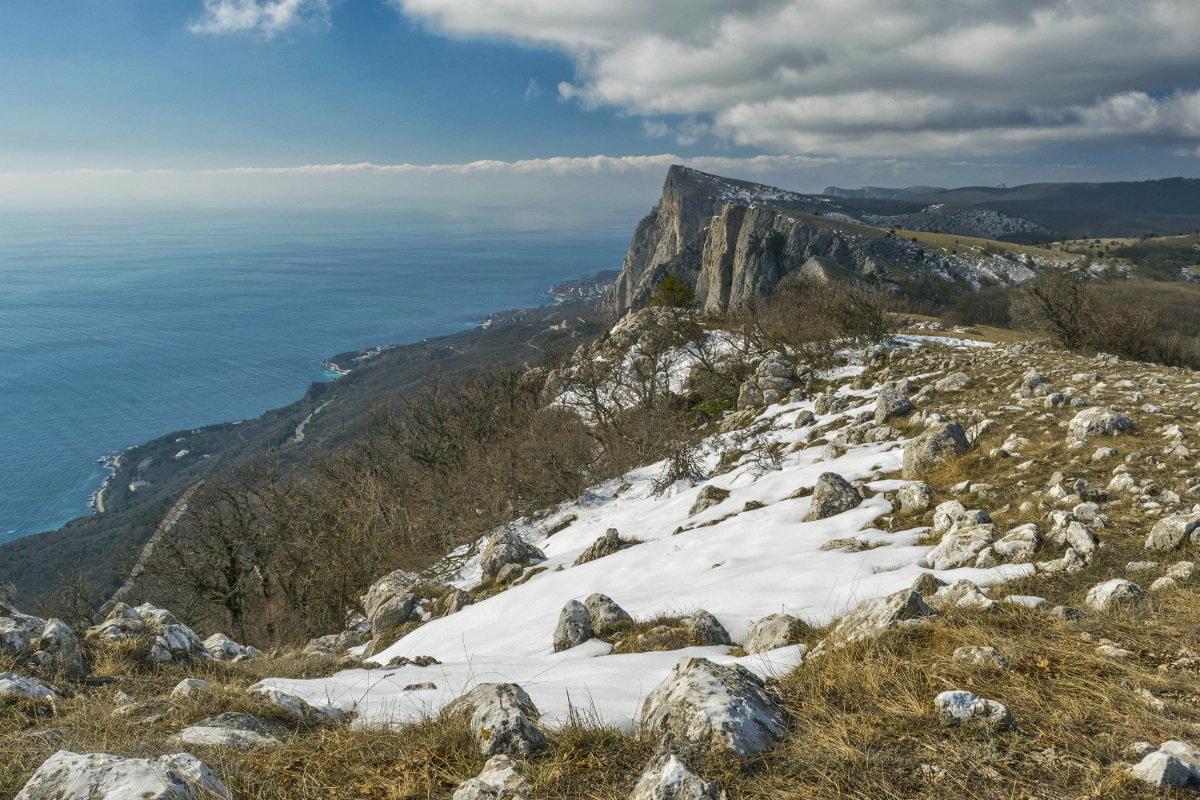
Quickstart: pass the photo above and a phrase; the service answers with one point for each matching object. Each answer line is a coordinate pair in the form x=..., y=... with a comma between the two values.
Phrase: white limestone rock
x=959, y=708
x=99, y=776
x=502, y=718
x=701, y=705
x=301, y=710
x=12, y=685
x=772, y=632
x=1110, y=594
x=668, y=778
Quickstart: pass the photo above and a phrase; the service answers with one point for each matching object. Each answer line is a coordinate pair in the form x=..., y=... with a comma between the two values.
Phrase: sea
x=119, y=327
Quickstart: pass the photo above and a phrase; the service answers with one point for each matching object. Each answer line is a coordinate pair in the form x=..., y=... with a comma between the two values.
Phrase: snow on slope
x=752, y=564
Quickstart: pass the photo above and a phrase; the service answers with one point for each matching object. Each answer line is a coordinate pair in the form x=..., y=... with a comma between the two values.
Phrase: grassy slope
x=862, y=724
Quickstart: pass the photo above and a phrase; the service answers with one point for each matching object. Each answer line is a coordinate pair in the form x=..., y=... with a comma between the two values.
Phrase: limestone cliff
x=734, y=241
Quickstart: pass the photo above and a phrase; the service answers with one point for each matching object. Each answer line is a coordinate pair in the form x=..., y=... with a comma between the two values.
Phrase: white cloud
x=871, y=77
x=266, y=17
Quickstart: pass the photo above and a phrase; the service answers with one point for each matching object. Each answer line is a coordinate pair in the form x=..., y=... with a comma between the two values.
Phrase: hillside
x=948, y=567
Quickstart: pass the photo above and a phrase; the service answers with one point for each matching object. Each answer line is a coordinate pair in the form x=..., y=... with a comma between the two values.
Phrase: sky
x=525, y=102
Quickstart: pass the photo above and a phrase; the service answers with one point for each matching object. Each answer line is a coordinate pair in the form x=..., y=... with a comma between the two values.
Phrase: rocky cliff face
x=734, y=241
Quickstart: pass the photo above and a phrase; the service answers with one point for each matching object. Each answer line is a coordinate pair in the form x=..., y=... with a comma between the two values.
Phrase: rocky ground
x=958, y=566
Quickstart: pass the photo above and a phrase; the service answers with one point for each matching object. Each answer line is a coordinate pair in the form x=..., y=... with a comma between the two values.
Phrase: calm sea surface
x=118, y=328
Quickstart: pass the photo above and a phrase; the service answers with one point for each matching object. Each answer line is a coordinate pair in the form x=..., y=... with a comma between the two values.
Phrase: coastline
x=584, y=289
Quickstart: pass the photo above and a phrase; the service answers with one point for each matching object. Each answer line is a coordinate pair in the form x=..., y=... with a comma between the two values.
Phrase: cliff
x=734, y=241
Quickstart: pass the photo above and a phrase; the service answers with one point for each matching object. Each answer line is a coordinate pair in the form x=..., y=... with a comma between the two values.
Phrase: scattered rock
x=190, y=686
x=507, y=547
x=605, y=615
x=160, y=637
x=980, y=657
x=606, y=545
x=963, y=594
x=958, y=708
x=222, y=648
x=98, y=776
x=1174, y=763
x=891, y=403
x=503, y=719
x=301, y=710
x=832, y=495
x=1097, y=421
x=701, y=705
x=1108, y=595
x=27, y=688
x=938, y=444
x=708, y=497
x=774, y=631
x=499, y=780
x=668, y=778
x=705, y=629
x=1065, y=614
x=224, y=737
x=574, y=626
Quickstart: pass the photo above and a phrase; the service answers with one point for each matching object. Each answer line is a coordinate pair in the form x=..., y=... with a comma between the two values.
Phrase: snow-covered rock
x=503, y=719
x=702, y=705
x=99, y=776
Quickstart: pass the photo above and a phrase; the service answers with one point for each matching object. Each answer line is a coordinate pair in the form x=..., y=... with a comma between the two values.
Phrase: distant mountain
x=880, y=192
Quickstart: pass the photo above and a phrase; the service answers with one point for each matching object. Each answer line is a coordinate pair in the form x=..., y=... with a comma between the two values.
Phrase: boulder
x=979, y=657
x=1171, y=533
x=99, y=776
x=964, y=708
x=222, y=648
x=45, y=644
x=1174, y=763
x=705, y=706
x=189, y=687
x=574, y=626
x=962, y=594
x=507, y=547
x=939, y=443
x=876, y=615
x=954, y=382
x=960, y=548
x=502, y=718
x=891, y=403
x=705, y=629
x=914, y=498
x=772, y=632
x=605, y=615
x=708, y=497
x=27, y=688
x=1018, y=545
x=211, y=736
x=668, y=778
x=606, y=545
x=301, y=710
x=1110, y=594
x=832, y=495
x=499, y=780
x=1097, y=421
x=333, y=644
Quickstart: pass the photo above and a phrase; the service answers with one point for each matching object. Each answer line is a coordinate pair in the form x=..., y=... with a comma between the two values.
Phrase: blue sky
x=140, y=100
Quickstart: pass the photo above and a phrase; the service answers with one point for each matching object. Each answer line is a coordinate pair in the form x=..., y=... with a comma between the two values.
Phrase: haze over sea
x=116, y=328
